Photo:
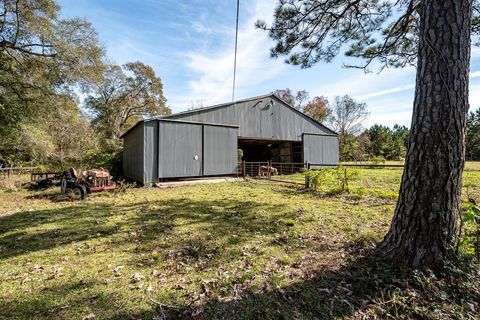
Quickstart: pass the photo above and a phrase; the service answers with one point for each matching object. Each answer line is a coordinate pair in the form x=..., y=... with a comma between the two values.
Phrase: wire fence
x=289, y=172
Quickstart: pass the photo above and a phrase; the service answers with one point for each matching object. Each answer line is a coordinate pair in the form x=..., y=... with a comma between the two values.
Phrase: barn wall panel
x=320, y=149
x=151, y=152
x=312, y=148
x=133, y=154
x=330, y=150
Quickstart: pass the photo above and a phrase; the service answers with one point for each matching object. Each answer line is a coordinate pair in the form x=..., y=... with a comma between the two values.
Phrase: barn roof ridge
x=226, y=104
x=268, y=95
x=221, y=105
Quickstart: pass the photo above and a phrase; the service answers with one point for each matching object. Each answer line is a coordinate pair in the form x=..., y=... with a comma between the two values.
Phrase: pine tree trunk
x=425, y=224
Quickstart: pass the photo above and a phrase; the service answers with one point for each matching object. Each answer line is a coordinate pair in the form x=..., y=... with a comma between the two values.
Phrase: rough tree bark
x=425, y=224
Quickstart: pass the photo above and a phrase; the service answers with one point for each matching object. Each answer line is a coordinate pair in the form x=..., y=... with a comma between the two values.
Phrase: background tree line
x=348, y=117
x=62, y=103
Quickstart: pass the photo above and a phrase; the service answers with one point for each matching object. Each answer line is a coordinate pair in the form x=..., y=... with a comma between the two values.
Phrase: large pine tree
x=435, y=36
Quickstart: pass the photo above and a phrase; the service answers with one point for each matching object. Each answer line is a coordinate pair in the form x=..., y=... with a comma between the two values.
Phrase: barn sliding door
x=179, y=150
x=320, y=149
x=220, y=150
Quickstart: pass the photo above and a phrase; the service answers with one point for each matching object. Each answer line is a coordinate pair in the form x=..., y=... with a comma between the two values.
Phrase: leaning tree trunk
x=425, y=223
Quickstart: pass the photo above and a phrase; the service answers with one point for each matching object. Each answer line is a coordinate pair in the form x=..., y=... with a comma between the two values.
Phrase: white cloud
x=474, y=96
x=474, y=74
x=403, y=118
x=362, y=85
x=386, y=92
x=212, y=68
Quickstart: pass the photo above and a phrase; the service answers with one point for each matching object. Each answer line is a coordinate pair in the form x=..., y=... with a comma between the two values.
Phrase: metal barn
x=205, y=142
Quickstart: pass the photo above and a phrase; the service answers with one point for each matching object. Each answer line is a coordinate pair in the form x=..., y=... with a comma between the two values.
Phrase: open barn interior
x=255, y=150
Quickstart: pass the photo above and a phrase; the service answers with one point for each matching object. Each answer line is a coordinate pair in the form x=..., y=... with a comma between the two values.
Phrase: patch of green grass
x=286, y=261
x=228, y=250
x=289, y=222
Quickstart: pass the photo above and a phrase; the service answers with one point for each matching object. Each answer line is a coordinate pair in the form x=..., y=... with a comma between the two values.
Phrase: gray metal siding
x=320, y=149
x=258, y=120
x=150, y=163
x=220, y=150
x=165, y=149
x=178, y=145
x=330, y=150
x=133, y=155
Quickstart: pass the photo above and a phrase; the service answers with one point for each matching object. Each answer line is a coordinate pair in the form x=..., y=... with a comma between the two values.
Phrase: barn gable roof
x=270, y=95
x=229, y=104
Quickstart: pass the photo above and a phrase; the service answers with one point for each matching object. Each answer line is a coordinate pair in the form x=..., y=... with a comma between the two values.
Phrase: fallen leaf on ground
x=91, y=316
x=136, y=277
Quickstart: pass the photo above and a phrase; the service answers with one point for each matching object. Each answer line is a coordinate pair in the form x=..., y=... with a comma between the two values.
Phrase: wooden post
x=307, y=180
x=346, y=180
x=269, y=176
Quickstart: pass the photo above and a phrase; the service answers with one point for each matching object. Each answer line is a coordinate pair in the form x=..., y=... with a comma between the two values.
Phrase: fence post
x=268, y=169
x=243, y=169
x=307, y=179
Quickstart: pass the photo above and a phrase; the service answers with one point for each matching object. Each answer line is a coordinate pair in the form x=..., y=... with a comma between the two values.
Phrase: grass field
x=243, y=250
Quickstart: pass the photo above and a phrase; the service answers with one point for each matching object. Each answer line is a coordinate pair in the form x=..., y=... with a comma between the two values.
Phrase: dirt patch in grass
x=231, y=250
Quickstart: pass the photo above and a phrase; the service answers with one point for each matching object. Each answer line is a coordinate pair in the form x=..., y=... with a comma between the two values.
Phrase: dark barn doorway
x=271, y=150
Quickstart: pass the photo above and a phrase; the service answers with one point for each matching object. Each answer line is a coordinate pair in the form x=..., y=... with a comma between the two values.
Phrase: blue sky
x=190, y=45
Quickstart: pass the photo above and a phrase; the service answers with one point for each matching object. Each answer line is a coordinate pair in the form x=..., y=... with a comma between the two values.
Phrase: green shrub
x=331, y=180
x=240, y=155
x=378, y=160
x=320, y=177
x=111, y=161
x=344, y=177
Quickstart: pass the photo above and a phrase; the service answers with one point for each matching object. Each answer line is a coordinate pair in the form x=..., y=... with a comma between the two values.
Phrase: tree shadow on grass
x=149, y=222
x=366, y=286
x=146, y=225
x=51, y=228
x=335, y=291
x=193, y=230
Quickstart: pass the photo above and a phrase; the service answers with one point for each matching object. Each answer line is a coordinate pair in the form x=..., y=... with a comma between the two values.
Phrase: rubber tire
x=76, y=193
x=63, y=185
